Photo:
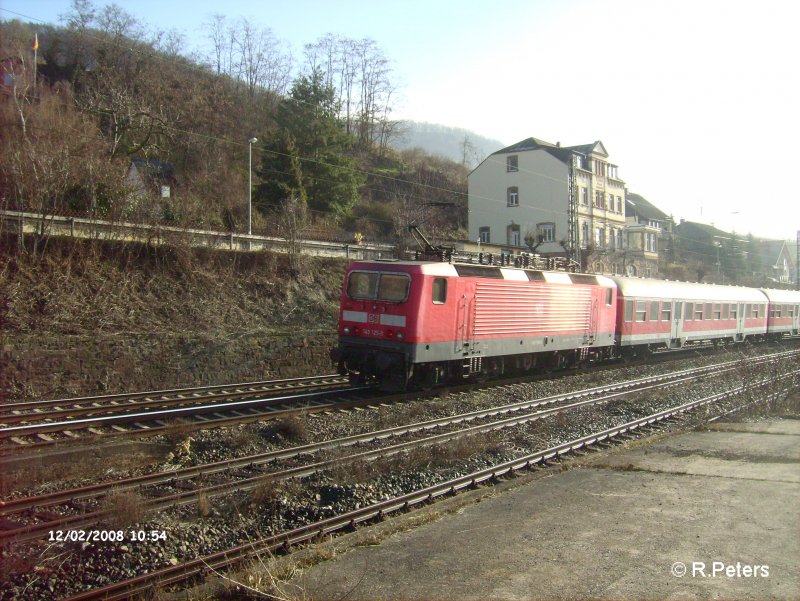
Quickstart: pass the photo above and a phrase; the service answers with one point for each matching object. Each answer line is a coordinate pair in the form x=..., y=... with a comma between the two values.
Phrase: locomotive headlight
x=346, y=329
x=399, y=335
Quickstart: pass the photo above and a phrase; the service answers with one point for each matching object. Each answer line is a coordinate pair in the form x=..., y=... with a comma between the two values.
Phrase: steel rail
x=16, y=505
x=206, y=422
x=138, y=401
x=169, y=413
x=182, y=572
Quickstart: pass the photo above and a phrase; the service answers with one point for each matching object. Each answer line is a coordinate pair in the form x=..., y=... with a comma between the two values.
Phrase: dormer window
x=512, y=163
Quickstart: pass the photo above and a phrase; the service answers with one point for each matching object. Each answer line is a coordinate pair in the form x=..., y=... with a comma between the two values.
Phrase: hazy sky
x=696, y=100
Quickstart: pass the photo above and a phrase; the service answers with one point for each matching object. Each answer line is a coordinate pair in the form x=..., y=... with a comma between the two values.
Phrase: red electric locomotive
x=425, y=323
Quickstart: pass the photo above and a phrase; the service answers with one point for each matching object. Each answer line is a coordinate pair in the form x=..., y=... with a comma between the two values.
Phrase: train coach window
x=698, y=311
x=628, y=310
x=726, y=311
x=689, y=311
x=641, y=311
x=708, y=311
x=439, y=291
x=734, y=311
x=717, y=311
x=755, y=311
x=666, y=311
x=654, y=311
x=748, y=310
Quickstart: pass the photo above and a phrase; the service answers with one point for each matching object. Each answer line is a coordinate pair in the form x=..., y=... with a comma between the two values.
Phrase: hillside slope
x=92, y=317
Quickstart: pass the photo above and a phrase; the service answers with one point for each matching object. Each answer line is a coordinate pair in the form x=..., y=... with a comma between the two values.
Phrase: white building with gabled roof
x=556, y=199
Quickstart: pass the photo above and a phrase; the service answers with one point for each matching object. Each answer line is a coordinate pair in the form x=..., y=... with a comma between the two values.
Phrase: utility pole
x=250, y=143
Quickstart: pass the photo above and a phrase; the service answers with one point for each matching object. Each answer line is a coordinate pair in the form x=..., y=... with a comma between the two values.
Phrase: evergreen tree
x=307, y=156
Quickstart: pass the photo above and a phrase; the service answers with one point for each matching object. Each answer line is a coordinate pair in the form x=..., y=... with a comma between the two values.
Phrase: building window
x=585, y=196
x=619, y=204
x=580, y=161
x=547, y=231
x=585, y=233
x=619, y=239
x=483, y=235
x=512, y=196
x=599, y=199
x=612, y=239
x=650, y=242
x=601, y=237
x=512, y=163
x=513, y=237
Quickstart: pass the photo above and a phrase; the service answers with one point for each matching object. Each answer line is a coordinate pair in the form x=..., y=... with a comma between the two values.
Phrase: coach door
x=677, y=320
x=740, y=322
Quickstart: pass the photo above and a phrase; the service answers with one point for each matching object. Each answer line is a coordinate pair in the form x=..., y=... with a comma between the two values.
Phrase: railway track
x=81, y=507
x=223, y=560
x=189, y=415
x=42, y=424
x=119, y=404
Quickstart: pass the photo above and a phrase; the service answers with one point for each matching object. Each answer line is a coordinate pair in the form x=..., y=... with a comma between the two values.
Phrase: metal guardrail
x=22, y=223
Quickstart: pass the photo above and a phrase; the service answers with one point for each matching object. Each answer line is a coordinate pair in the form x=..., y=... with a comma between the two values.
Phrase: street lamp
x=250, y=143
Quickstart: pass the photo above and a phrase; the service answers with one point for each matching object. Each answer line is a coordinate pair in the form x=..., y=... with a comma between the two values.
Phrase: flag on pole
x=35, y=41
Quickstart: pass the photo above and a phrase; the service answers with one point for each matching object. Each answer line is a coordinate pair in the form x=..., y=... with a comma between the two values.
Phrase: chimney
x=558, y=144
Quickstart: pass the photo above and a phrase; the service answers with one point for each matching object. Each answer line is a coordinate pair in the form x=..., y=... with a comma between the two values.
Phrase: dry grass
x=293, y=428
x=244, y=438
x=440, y=455
x=124, y=507
x=203, y=505
x=266, y=493
x=50, y=471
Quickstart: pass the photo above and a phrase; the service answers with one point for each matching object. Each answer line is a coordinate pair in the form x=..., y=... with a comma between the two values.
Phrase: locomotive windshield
x=371, y=285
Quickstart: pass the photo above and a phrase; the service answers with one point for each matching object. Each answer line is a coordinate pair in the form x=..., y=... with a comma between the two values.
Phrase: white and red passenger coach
x=784, y=312
x=660, y=313
x=430, y=322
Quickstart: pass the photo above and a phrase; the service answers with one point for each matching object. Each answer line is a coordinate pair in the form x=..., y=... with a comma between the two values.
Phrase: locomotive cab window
x=390, y=287
x=362, y=285
x=609, y=296
x=439, y=291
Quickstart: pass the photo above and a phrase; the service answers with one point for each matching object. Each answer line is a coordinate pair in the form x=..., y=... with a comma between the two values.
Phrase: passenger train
x=423, y=323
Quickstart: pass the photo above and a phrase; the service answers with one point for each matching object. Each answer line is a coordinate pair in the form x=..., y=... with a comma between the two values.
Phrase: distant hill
x=447, y=142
